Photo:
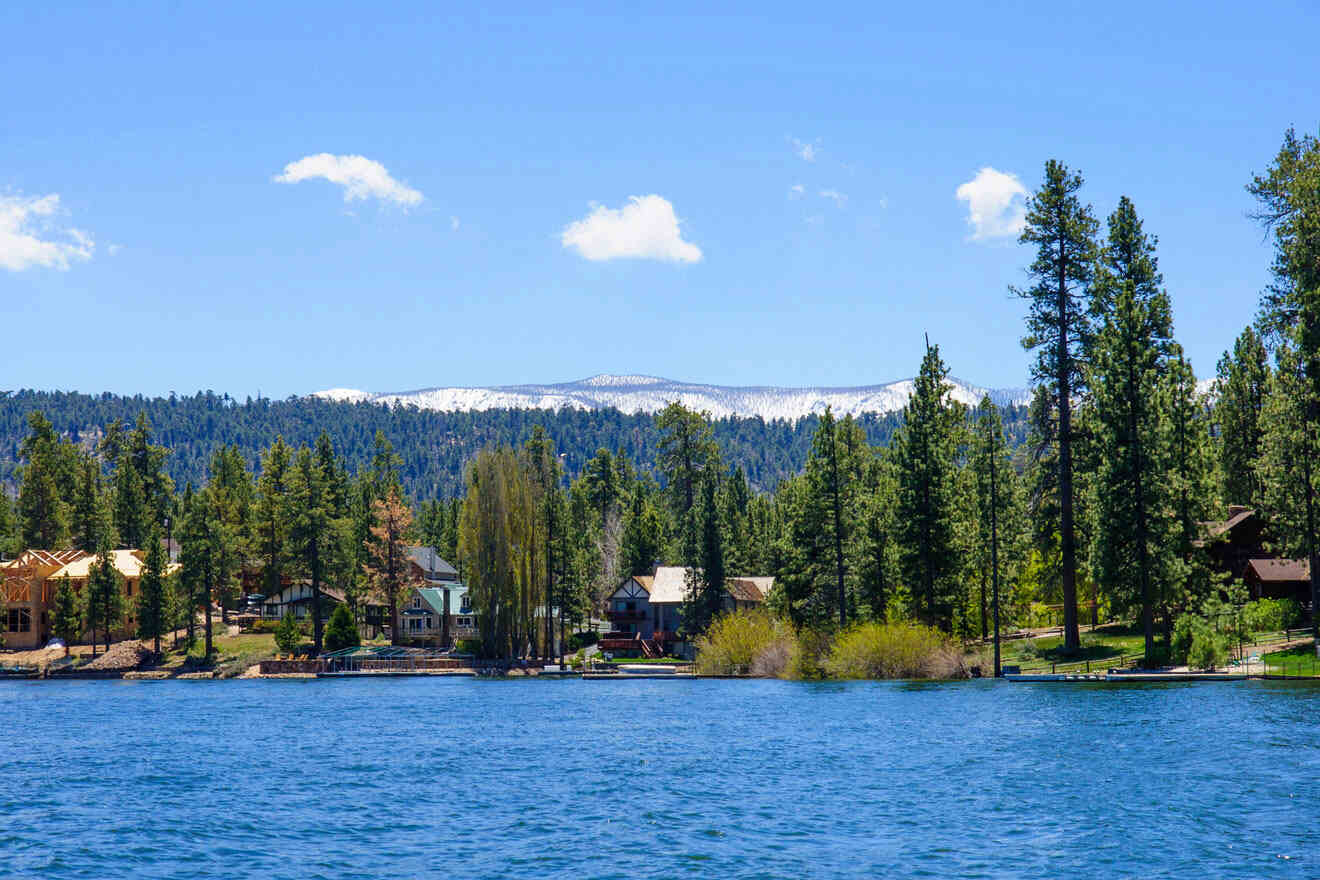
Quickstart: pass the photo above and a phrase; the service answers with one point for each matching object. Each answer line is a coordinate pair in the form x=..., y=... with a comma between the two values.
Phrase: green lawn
x=1297, y=660
x=1104, y=644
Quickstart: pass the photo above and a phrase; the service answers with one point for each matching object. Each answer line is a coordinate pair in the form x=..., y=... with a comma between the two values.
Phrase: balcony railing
x=626, y=615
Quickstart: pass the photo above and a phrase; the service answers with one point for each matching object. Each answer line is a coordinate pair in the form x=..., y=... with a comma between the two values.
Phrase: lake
x=538, y=779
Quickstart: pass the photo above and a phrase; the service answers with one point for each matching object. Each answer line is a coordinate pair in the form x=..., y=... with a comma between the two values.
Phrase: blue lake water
x=537, y=779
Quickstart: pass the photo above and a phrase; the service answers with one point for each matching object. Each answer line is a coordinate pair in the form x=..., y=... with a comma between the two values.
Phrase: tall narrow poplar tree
x=1063, y=230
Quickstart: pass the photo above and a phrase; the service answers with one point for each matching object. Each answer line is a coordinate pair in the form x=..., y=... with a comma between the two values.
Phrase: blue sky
x=804, y=161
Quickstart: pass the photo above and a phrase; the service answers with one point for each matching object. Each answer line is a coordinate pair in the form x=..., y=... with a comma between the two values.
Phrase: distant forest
x=434, y=446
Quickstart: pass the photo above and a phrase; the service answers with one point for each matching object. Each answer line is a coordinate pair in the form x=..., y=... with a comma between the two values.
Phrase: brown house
x=1280, y=579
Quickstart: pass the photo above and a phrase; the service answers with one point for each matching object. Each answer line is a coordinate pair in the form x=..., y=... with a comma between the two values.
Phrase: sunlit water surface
x=538, y=779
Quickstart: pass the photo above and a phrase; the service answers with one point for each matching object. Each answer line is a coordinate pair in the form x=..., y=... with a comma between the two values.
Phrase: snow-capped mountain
x=648, y=394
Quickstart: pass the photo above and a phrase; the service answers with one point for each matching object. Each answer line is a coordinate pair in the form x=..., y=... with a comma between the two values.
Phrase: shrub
x=808, y=653
x=288, y=634
x=736, y=642
x=341, y=632
x=262, y=627
x=894, y=650
x=579, y=640
x=1029, y=650
x=469, y=646
x=1270, y=615
x=1209, y=649
x=1181, y=643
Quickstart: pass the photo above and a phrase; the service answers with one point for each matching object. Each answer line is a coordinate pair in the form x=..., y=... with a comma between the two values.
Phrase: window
x=128, y=588
x=18, y=620
x=417, y=602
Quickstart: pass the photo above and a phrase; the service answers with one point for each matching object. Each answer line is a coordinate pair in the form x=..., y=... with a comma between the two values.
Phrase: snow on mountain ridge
x=649, y=394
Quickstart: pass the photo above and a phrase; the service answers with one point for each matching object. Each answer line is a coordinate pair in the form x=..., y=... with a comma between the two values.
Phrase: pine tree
x=687, y=451
x=1290, y=460
x=1133, y=548
x=1063, y=231
x=643, y=536
x=131, y=513
x=341, y=632
x=271, y=516
x=151, y=603
x=105, y=595
x=86, y=516
x=923, y=450
x=42, y=511
x=876, y=549
x=1190, y=466
x=1288, y=195
x=67, y=621
x=1241, y=387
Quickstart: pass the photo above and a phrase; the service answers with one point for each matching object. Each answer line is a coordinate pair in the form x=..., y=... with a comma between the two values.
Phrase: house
x=422, y=618
x=296, y=596
x=1236, y=547
x=1280, y=579
x=1233, y=542
x=426, y=564
x=28, y=585
x=644, y=612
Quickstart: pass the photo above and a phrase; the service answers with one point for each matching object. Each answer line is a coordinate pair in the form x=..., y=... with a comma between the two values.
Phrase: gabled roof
x=431, y=563
x=127, y=562
x=1280, y=570
x=1216, y=528
x=750, y=589
x=670, y=586
x=434, y=597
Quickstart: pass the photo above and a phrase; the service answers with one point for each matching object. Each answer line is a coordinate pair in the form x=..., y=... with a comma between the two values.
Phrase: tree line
x=961, y=518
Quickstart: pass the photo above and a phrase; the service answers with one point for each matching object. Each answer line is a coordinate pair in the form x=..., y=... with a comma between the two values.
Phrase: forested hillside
x=434, y=446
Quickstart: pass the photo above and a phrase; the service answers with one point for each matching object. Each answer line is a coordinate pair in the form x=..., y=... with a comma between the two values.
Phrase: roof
x=430, y=562
x=52, y=559
x=434, y=597
x=750, y=589
x=127, y=562
x=1280, y=570
x=1215, y=528
x=669, y=586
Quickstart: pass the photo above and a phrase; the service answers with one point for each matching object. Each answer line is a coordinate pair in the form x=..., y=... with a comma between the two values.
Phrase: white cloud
x=806, y=150
x=796, y=191
x=834, y=195
x=361, y=178
x=996, y=204
x=453, y=223
x=29, y=237
x=646, y=229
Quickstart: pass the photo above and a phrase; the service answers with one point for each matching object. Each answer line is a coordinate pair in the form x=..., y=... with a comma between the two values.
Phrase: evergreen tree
x=271, y=515
x=152, y=609
x=1288, y=196
x=1290, y=460
x=131, y=513
x=67, y=622
x=105, y=595
x=1062, y=229
x=1133, y=548
x=341, y=632
x=706, y=592
x=687, y=452
x=924, y=450
x=87, y=514
x=229, y=499
x=42, y=511
x=643, y=536
x=1241, y=387
x=1192, y=475
x=876, y=549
